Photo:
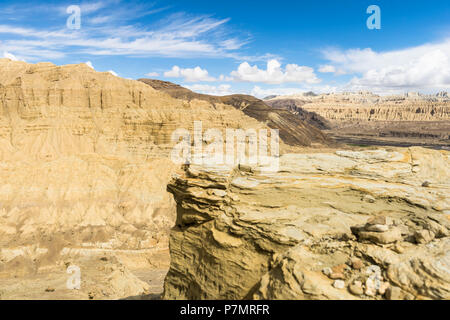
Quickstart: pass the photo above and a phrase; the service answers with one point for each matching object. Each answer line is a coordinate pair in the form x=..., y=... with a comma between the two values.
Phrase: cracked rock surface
x=331, y=225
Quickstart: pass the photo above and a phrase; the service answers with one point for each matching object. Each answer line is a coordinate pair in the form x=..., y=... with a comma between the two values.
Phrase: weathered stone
x=339, y=284
x=337, y=275
x=371, y=288
x=369, y=198
x=327, y=271
x=395, y=293
x=424, y=236
x=341, y=268
x=379, y=220
x=220, y=193
x=424, y=272
x=377, y=228
x=390, y=236
x=295, y=222
x=398, y=248
x=383, y=287
x=356, y=288
x=357, y=264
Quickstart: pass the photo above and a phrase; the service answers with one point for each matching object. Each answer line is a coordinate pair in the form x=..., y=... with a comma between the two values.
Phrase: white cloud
x=10, y=56
x=113, y=73
x=221, y=90
x=190, y=74
x=225, y=78
x=152, y=74
x=92, y=7
x=177, y=35
x=89, y=64
x=275, y=74
x=327, y=69
x=112, y=13
x=232, y=44
x=425, y=67
x=100, y=19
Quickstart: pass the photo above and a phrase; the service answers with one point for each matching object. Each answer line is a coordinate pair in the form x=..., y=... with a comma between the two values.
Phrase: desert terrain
x=364, y=118
x=87, y=181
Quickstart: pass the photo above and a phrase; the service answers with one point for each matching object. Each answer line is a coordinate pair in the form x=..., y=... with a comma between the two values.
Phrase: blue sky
x=255, y=47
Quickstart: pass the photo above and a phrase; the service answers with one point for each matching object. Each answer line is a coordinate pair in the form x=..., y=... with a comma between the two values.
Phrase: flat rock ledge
x=332, y=225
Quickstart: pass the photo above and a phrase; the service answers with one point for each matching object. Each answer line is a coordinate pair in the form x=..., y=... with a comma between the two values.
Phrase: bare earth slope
x=330, y=225
x=365, y=118
x=84, y=169
x=293, y=130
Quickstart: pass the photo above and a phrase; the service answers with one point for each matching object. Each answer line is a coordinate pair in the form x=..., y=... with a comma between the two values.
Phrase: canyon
x=87, y=181
x=85, y=164
x=364, y=118
x=293, y=131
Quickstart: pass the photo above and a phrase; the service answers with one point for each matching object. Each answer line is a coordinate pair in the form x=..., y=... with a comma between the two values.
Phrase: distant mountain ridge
x=365, y=118
x=294, y=130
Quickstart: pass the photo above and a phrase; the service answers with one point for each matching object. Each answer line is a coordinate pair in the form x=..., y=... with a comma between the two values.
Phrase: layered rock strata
x=365, y=106
x=294, y=131
x=366, y=118
x=84, y=164
x=334, y=225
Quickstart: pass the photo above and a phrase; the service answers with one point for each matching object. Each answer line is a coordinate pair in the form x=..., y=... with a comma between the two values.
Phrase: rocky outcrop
x=368, y=224
x=84, y=149
x=84, y=165
x=294, y=131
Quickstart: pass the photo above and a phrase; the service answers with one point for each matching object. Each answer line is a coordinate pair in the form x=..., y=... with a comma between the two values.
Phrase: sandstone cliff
x=330, y=225
x=365, y=118
x=84, y=167
x=370, y=107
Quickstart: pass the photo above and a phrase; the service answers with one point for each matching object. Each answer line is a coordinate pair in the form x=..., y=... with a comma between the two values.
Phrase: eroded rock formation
x=333, y=225
x=366, y=118
x=294, y=131
x=84, y=166
x=367, y=106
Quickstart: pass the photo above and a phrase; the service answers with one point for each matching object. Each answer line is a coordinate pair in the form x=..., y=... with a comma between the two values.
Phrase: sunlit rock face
x=329, y=225
x=368, y=106
x=366, y=118
x=84, y=165
x=85, y=159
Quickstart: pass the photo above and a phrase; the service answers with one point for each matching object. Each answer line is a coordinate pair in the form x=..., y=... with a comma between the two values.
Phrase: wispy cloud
x=327, y=69
x=105, y=31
